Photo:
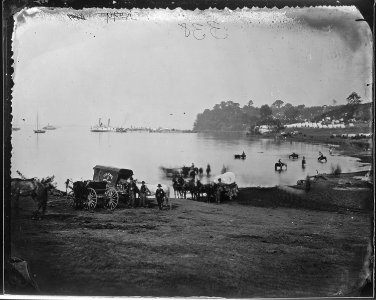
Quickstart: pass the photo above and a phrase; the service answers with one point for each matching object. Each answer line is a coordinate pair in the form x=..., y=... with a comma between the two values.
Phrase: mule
x=36, y=189
x=321, y=158
x=293, y=155
x=279, y=166
x=240, y=156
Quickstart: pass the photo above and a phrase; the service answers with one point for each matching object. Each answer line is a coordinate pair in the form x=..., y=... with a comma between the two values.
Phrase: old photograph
x=186, y=153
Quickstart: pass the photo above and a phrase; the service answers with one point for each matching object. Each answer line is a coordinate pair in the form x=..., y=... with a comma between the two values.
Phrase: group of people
x=143, y=192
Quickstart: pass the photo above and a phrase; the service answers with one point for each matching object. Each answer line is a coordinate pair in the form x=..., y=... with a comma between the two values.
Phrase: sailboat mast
x=37, y=122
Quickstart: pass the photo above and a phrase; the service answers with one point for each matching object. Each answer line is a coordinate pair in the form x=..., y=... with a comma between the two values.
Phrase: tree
x=250, y=103
x=334, y=102
x=292, y=114
x=278, y=104
x=353, y=98
x=265, y=112
x=287, y=106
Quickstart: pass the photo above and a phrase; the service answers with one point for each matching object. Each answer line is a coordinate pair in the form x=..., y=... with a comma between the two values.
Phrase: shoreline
x=328, y=192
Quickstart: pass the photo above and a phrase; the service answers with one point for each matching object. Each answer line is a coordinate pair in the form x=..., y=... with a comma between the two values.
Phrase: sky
x=161, y=68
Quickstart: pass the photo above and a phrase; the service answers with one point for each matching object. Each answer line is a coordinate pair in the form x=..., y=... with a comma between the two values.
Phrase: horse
x=37, y=189
x=207, y=189
x=293, y=155
x=191, y=187
x=178, y=187
x=321, y=158
x=280, y=165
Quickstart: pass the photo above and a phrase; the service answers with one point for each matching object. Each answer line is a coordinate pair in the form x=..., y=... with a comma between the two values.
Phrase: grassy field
x=279, y=242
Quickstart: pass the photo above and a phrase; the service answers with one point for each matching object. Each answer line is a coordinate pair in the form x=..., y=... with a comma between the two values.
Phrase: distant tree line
x=229, y=116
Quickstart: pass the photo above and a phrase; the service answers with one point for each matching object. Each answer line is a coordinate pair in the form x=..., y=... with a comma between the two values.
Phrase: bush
x=336, y=170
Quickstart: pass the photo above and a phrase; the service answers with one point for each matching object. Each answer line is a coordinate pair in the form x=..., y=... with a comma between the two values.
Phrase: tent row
x=318, y=125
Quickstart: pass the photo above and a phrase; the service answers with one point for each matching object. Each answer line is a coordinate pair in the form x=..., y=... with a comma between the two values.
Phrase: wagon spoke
x=91, y=199
x=113, y=198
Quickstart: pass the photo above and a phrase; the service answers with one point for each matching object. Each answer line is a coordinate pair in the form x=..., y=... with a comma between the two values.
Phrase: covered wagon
x=108, y=184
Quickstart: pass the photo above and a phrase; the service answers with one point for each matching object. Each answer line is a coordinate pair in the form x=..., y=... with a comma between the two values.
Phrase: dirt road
x=195, y=249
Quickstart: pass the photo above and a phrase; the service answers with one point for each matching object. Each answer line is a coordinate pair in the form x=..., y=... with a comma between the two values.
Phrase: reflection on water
x=72, y=152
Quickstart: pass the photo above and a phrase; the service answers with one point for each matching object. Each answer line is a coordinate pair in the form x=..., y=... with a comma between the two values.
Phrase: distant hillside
x=360, y=112
x=229, y=116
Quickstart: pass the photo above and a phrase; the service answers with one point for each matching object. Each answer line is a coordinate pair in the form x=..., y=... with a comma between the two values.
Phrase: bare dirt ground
x=269, y=243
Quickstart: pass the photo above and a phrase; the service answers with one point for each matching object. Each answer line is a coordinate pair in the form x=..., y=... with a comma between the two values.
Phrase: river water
x=72, y=152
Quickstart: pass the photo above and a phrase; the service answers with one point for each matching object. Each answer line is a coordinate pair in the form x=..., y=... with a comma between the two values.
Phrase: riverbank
x=277, y=242
x=327, y=192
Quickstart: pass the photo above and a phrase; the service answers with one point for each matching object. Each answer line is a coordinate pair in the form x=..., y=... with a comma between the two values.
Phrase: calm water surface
x=72, y=152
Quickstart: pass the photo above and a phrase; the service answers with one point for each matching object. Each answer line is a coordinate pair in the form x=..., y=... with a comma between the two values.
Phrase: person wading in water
x=208, y=170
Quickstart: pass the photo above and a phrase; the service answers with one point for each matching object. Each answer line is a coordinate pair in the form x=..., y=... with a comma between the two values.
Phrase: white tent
x=226, y=178
x=342, y=125
x=330, y=125
x=351, y=124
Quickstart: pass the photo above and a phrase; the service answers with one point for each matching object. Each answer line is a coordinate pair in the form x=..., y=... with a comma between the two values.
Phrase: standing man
x=159, y=195
x=303, y=162
x=133, y=190
x=219, y=190
x=144, y=191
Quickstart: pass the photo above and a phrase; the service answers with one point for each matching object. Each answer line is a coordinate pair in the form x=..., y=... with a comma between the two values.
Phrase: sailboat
x=49, y=127
x=38, y=130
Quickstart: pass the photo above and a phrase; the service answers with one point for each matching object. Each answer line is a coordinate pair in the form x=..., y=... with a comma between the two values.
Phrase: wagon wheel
x=71, y=199
x=112, y=198
x=91, y=199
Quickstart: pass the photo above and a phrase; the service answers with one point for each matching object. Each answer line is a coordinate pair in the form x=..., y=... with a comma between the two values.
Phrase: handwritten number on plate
x=187, y=32
x=198, y=27
x=215, y=30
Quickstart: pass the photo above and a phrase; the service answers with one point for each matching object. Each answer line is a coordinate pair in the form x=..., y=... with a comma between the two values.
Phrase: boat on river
x=102, y=128
x=49, y=127
x=39, y=130
x=121, y=129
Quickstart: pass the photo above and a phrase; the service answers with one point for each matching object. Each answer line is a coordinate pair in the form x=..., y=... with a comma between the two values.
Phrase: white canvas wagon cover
x=226, y=178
